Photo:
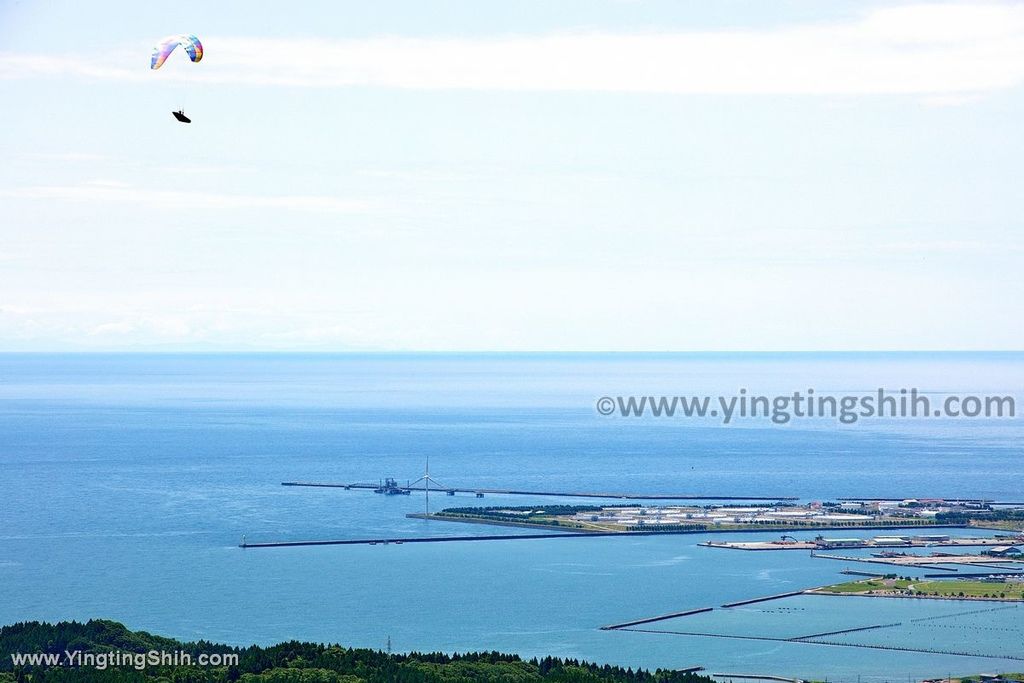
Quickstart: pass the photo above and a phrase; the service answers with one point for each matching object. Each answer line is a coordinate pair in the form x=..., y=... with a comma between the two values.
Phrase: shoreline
x=654, y=531
x=967, y=598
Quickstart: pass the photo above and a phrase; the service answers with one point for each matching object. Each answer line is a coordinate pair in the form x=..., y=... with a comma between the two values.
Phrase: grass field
x=1003, y=590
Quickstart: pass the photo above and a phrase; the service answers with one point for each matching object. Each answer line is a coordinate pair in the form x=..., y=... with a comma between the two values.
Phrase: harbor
x=879, y=532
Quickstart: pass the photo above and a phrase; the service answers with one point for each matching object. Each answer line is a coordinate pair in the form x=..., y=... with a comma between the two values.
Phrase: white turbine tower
x=426, y=479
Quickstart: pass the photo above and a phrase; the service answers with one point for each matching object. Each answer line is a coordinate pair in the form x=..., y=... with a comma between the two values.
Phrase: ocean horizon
x=137, y=475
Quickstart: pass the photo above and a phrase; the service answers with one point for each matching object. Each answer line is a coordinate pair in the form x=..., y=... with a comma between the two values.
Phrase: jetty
x=480, y=492
x=629, y=625
x=398, y=540
x=766, y=598
x=651, y=620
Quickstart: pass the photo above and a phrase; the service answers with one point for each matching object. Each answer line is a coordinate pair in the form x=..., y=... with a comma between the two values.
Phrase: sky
x=538, y=175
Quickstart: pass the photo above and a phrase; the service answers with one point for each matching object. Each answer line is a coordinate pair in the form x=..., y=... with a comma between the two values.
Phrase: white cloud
x=115, y=191
x=14, y=65
x=710, y=306
x=930, y=49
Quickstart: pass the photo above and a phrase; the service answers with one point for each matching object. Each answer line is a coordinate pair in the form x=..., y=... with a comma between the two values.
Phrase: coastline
x=969, y=598
x=669, y=532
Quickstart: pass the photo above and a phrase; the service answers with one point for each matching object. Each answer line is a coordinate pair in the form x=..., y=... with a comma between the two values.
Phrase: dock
x=872, y=575
x=930, y=562
x=479, y=492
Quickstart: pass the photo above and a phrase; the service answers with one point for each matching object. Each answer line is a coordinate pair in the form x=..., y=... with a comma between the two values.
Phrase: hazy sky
x=531, y=175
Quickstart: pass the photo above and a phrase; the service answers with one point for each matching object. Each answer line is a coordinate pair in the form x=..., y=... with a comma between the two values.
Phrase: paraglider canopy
x=162, y=50
x=189, y=43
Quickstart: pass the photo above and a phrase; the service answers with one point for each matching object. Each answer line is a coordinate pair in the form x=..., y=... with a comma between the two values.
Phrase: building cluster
x=678, y=515
x=925, y=508
x=818, y=513
x=888, y=540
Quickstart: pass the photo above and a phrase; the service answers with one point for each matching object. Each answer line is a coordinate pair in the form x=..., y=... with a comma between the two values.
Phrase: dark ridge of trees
x=965, y=516
x=291, y=662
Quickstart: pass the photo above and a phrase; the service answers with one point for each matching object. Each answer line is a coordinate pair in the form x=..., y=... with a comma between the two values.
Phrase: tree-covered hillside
x=291, y=662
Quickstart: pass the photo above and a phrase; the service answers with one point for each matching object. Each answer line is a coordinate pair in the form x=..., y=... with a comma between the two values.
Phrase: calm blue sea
x=127, y=481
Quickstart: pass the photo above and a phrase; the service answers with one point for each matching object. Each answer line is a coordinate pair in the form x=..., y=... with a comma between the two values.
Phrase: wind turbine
x=426, y=479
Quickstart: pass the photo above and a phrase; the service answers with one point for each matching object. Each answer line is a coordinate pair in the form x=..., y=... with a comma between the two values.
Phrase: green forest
x=291, y=662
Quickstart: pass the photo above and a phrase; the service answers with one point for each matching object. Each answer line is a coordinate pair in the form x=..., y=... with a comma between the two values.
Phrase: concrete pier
x=453, y=539
x=765, y=598
x=651, y=620
x=557, y=494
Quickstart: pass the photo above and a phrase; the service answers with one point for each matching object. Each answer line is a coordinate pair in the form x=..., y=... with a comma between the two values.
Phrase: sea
x=128, y=481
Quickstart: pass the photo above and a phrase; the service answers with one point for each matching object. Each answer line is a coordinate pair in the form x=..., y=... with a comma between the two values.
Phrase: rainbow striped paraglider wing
x=165, y=47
